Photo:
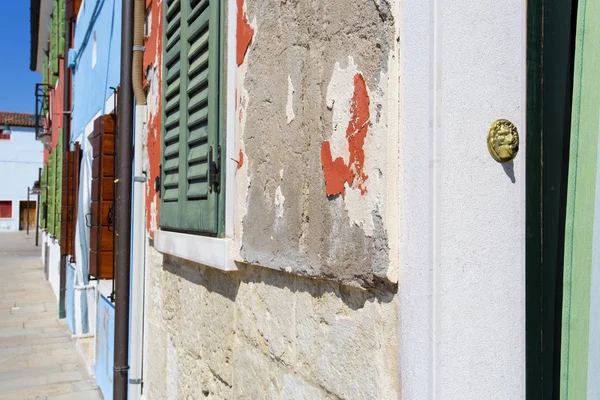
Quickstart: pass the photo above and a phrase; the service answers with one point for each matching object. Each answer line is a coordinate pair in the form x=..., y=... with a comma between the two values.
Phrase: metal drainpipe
x=123, y=205
x=66, y=142
x=37, y=209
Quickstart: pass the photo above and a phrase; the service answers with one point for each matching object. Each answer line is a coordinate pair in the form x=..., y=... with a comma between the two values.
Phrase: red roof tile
x=17, y=119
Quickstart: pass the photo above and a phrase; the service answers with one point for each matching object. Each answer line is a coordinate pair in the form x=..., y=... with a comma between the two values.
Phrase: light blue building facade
x=95, y=62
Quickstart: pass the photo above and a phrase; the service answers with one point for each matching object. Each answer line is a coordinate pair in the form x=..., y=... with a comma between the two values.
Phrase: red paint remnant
x=56, y=108
x=240, y=160
x=336, y=172
x=153, y=59
x=244, y=32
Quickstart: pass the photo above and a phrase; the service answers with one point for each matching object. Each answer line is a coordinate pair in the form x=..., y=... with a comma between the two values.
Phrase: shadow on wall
x=227, y=284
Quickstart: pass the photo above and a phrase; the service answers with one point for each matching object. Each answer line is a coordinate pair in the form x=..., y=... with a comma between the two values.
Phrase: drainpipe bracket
x=139, y=48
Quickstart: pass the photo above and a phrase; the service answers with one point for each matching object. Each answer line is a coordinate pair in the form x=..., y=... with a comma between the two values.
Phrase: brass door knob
x=503, y=140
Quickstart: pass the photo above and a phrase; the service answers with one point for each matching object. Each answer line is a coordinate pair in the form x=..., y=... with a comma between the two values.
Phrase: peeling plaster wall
x=265, y=334
x=153, y=85
x=321, y=322
x=317, y=104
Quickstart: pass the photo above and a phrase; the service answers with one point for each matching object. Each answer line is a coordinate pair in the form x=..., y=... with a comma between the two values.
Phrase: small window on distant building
x=94, y=51
x=5, y=209
x=4, y=136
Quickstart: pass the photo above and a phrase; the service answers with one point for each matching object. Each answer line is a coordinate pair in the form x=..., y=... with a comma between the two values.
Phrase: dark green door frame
x=550, y=53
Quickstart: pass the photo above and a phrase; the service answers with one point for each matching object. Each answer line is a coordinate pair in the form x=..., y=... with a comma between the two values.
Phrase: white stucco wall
x=20, y=159
x=462, y=294
x=54, y=264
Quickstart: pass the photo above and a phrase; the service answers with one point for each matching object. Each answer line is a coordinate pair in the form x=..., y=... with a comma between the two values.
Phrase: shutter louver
x=44, y=197
x=191, y=115
x=70, y=184
x=61, y=29
x=198, y=101
x=54, y=42
x=58, y=183
x=67, y=167
x=51, y=192
x=171, y=135
x=75, y=193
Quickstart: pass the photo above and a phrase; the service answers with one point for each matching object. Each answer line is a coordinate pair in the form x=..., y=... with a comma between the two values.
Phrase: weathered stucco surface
x=265, y=334
x=321, y=322
x=316, y=101
x=151, y=133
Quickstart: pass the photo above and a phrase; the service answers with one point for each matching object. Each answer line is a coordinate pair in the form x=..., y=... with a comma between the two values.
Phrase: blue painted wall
x=99, y=19
x=105, y=334
x=70, y=298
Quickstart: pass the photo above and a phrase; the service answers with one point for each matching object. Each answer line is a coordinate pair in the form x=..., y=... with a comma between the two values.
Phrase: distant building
x=21, y=157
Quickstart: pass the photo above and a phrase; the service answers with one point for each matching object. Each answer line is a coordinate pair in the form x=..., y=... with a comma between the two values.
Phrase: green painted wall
x=579, y=227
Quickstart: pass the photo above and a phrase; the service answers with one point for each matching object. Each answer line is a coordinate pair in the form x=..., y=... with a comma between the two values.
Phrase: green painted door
x=580, y=345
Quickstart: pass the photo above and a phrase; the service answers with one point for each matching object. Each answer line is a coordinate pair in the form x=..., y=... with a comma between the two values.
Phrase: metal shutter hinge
x=157, y=183
x=214, y=168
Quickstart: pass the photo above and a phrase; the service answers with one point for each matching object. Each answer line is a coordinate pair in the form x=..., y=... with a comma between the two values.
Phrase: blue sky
x=17, y=82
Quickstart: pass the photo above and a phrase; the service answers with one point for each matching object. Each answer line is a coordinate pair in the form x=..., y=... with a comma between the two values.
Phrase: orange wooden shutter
x=103, y=175
x=66, y=215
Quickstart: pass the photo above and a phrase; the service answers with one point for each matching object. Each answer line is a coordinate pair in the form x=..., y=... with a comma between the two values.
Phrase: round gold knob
x=503, y=140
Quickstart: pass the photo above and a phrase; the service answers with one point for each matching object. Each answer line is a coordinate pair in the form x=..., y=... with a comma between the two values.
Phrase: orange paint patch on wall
x=240, y=160
x=336, y=172
x=56, y=100
x=152, y=56
x=244, y=32
x=153, y=42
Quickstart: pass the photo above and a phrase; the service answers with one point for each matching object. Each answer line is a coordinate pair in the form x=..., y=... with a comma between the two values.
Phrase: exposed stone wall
x=264, y=334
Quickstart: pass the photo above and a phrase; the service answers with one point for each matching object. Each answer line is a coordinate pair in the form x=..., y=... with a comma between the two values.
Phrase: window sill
x=104, y=288
x=209, y=251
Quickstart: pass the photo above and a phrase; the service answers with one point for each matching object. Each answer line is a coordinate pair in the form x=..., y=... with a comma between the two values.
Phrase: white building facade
x=21, y=158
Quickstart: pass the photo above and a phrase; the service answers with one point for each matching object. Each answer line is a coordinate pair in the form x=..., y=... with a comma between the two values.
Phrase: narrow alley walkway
x=38, y=358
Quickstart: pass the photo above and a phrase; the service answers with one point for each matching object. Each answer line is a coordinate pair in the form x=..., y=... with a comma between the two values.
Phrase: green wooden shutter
x=53, y=45
x=51, y=191
x=171, y=116
x=57, y=38
x=45, y=82
x=61, y=29
x=43, y=198
x=58, y=184
x=191, y=116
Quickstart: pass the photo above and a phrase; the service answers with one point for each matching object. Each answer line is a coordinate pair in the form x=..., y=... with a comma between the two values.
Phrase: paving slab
x=38, y=357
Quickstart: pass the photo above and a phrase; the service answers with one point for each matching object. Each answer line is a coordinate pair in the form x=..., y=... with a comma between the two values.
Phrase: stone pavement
x=38, y=359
